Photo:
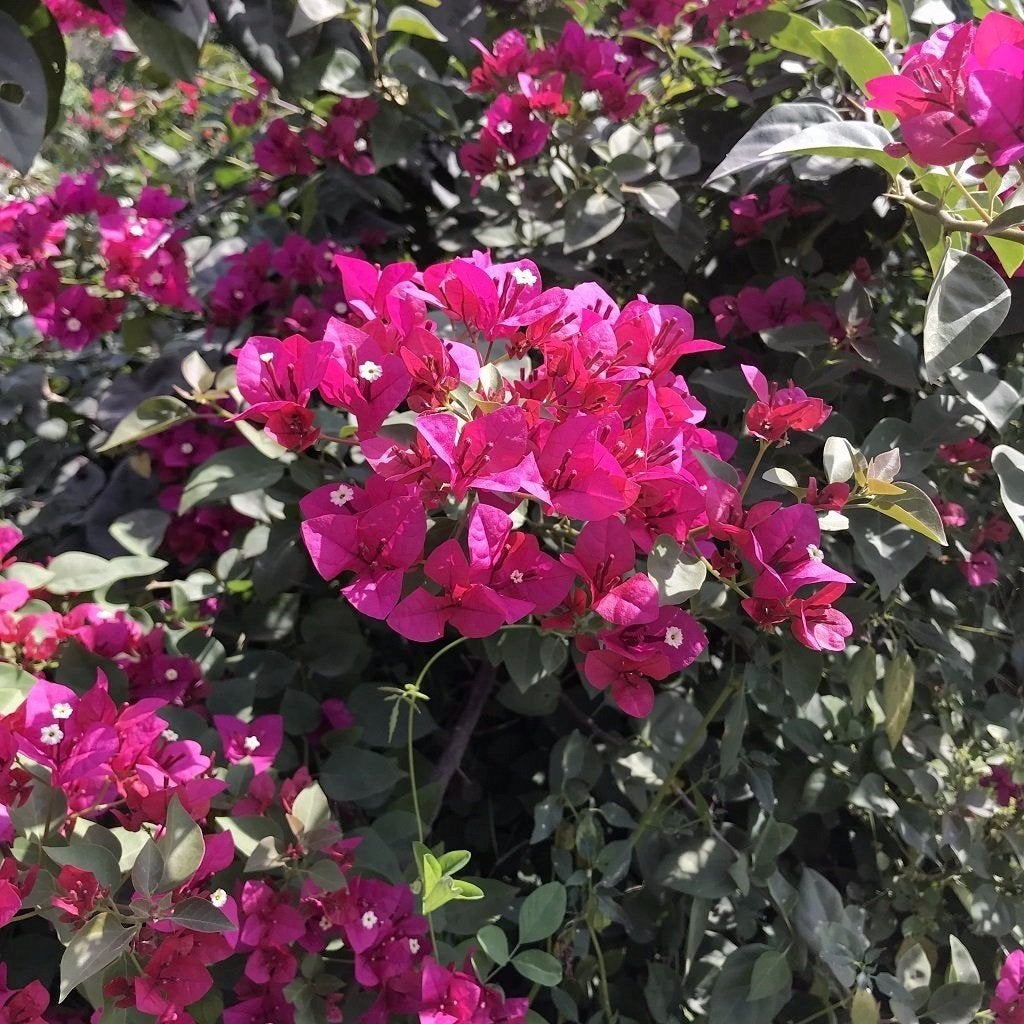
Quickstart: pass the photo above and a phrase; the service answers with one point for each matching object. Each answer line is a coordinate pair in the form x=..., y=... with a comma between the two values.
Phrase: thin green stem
x=761, y=452
x=602, y=975
x=692, y=745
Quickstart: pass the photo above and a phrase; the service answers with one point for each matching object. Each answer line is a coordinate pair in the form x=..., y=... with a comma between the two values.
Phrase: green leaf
x=539, y=967
x=75, y=572
x=956, y=1002
x=967, y=303
x=23, y=107
x=857, y=140
x=858, y=57
x=494, y=943
x=994, y=398
x=413, y=23
x=1009, y=253
x=93, y=948
x=233, y=471
x=861, y=676
x=662, y=202
x=897, y=696
x=677, y=574
x=913, y=508
x=730, y=997
x=962, y=967
x=148, y=869
x=182, y=846
x=542, y=913
x=311, y=808
x=1009, y=466
x=863, y=1009
x=201, y=915
x=778, y=124
x=170, y=34
x=101, y=863
x=701, y=867
x=453, y=862
x=590, y=217
x=15, y=684
x=785, y=31
x=153, y=416
x=351, y=774
x=140, y=532
x=771, y=974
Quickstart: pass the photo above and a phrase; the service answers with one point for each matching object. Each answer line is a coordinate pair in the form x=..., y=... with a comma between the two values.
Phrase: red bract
x=779, y=410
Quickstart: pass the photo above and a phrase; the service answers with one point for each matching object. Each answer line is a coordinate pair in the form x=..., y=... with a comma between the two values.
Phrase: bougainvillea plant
x=511, y=513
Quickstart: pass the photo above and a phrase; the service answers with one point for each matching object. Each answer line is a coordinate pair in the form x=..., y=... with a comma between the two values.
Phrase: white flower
x=238, y=295
x=170, y=735
x=267, y=357
x=515, y=576
x=155, y=279
x=621, y=58
x=62, y=710
x=359, y=145
x=369, y=919
x=136, y=231
x=250, y=744
x=51, y=735
x=187, y=448
x=73, y=324
x=639, y=453
x=218, y=897
x=370, y=371
x=815, y=553
x=521, y=275
x=341, y=495
x=674, y=636
x=590, y=100
x=504, y=127
x=414, y=946
x=341, y=308
x=170, y=675
x=324, y=923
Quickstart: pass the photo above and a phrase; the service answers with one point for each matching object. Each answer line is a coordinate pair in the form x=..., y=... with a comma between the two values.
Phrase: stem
x=761, y=452
x=602, y=975
x=947, y=220
x=690, y=748
x=967, y=195
x=412, y=774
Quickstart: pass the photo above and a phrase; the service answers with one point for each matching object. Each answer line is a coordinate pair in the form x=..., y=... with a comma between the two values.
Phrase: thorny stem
x=692, y=745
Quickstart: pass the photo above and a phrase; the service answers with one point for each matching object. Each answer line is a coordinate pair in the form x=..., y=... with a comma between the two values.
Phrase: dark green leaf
x=537, y=966
x=542, y=913
x=234, y=471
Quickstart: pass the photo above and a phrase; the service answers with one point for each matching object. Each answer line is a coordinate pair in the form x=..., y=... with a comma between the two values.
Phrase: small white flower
x=504, y=127
x=359, y=145
x=324, y=923
x=73, y=324
x=250, y=744
x=51, y=735
x=370, y=371
x=639, y=453
x=238, y=295
x=515, y=576
x=170, y=735
x=62, y=710
x=621, y=58
x=674, y=636
x=136, y=231
x=187, y=448
x=815, y=553
x=341, y=308
x=218, y=897
x=590, y=101
x=155, y=279
x=414, y=946
x=342, y=495
x=267, y=357
x=170, y=675
x=369, y=919
x=521, y=275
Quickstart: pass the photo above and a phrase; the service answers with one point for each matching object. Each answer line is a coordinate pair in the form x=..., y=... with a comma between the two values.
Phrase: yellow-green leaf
x=897, y=696
x=863, y=1009
x=913, y=508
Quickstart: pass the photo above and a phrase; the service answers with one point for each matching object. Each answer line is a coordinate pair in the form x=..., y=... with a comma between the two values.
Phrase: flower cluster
x=580, y=75
x=342, y=139
x=958, y=93
x=133, y=250
x=703, y=17
x=293, y=286
x=74, y=15
x=750, y=213
x=781, y=304
x=173, y=454
x=548, y=444
x=124, y=764
x=1008, y=1002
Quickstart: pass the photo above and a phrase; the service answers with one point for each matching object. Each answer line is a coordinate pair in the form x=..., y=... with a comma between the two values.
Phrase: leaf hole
x=11, y=92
